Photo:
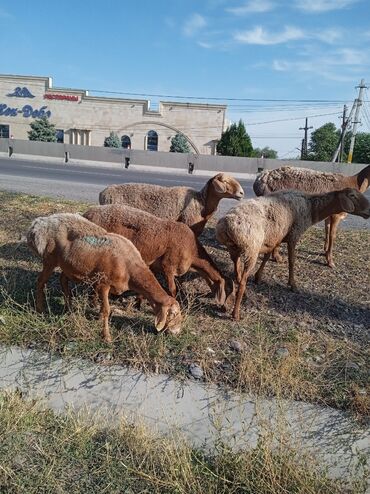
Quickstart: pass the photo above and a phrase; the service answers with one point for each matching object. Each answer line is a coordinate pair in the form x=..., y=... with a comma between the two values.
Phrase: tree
x=42, y=130
x=235, y=141
x=179, y=144
x=323, y=143
x=361, y=151
x=266, y=152
x=113, y=141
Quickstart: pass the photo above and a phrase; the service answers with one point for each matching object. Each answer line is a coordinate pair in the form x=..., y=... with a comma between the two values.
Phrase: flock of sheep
x=142, y=229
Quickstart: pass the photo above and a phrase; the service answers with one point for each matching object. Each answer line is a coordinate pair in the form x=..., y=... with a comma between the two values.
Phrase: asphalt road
x=81, y=182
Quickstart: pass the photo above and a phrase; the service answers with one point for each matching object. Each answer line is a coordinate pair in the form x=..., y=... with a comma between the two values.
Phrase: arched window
x=126, y=142
x=152, y=141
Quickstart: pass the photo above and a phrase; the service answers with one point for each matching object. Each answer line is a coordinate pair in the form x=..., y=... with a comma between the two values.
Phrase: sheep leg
x=292, y=258
x=213, y=279
x=276, y=255
x=104, y=312
x=170, y=278
x=257, y=277
x=327, y=233
x=138, y=301
x=43, y=277
x=235, y=257
x=241, y=289
x=66, y=290
x=335, y=220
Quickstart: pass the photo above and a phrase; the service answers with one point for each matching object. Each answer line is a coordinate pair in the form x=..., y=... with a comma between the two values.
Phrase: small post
x=66, y=156
x=190, y=168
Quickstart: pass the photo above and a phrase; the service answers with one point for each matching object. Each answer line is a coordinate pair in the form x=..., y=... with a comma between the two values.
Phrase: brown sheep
x=312, y=182
x=165, y=245
x=184, y=204
x=85, y=252
x=258, y=226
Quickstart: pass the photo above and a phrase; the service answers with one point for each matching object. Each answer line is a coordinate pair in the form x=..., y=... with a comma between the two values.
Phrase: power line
x=176, y=96
x=293, y=118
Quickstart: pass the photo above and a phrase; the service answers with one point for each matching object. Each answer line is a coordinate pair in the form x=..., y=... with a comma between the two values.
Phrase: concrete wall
x=88, y=120
x=23, y=149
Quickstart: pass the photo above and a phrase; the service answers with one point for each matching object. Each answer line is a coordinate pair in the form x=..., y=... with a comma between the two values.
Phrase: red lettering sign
x=65, y=97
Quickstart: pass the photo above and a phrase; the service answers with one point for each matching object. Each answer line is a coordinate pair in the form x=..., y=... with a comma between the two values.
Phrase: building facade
x=87, y=120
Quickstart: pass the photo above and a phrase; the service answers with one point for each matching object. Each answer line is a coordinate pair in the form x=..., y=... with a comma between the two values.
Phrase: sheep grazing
x=86, y=252
x=259, y=225
x=312, y=182
x=194, y=208
x=167, y=246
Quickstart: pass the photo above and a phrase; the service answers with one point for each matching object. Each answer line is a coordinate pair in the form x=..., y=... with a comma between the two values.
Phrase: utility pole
x=304, y=150
x=344, y=124
x=358, y=102
x=347, y=124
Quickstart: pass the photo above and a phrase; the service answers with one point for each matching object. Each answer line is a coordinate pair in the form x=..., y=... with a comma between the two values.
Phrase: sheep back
x=153, y=236
x=303, y=179
x=164, y=202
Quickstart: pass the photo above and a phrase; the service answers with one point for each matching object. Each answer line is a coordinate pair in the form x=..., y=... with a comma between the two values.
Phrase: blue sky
x=258, y=49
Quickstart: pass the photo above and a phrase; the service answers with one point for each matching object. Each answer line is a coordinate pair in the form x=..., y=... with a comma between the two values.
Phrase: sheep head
x=226, y=186
x=353, y=202
x=168, y=317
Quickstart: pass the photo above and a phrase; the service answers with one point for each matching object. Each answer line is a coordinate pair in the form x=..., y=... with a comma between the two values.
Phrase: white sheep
x=85, y=252
x=192, y=207
x=312, y=182
x=257, y=226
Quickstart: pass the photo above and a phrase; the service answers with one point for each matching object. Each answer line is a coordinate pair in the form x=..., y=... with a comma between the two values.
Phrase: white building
x=88, y=120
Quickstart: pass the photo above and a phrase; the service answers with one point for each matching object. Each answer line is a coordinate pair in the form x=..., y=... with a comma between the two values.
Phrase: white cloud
x=317, y=6
x=259, y=36
x=330, y=36
x=194, y=24
x=340, y=65
x=203, y=44
x=348, y=56
x=251, y=7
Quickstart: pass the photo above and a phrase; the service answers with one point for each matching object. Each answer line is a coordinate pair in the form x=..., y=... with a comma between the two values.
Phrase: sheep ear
x=346, y=203
x=160, y=319
x=219, y=186
x=364, y=185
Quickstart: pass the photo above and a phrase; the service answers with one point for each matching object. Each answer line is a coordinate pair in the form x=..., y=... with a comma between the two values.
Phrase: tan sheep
x=167, y=246
x=194, y=208
x=257, y=226
x=85, y=252
x=312, y=182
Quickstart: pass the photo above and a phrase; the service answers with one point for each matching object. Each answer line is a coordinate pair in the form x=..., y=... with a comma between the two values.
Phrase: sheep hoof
x=235, y=317
x=331, y=264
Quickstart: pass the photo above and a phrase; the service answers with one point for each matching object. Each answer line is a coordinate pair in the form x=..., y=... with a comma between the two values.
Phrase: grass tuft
x=77, y=452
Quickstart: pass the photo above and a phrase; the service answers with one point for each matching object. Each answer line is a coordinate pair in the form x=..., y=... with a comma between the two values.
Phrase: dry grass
x=324, y=329
x=77, y=453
